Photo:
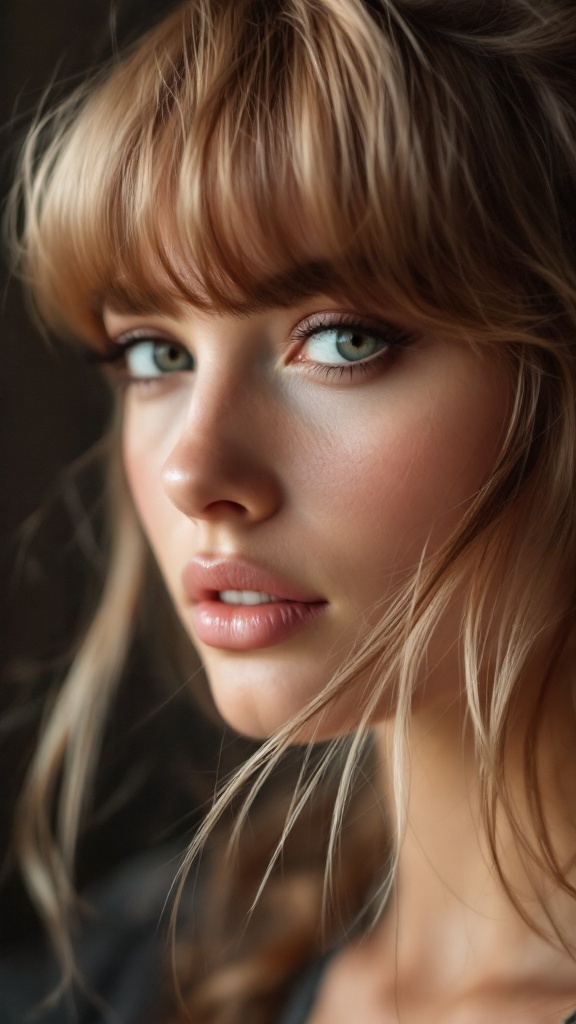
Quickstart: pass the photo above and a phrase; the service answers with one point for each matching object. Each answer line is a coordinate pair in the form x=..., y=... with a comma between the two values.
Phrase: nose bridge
x=221, y=416
x=211, y=407
x=218, y=463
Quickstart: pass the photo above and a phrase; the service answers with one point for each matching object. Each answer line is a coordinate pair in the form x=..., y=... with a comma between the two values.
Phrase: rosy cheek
x=401, y=473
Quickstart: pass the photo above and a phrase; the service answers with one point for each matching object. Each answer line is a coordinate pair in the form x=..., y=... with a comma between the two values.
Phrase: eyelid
x=394, y=338
x=116, y=345
x=317, y=322
x=116, y=352
x=393, y=335
x=127, y=338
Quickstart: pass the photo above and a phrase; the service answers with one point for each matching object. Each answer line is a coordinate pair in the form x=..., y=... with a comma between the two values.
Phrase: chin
x=256, y=704
x=259, y=704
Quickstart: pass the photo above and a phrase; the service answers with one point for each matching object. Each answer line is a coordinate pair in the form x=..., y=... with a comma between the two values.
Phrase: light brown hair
x=417, y=152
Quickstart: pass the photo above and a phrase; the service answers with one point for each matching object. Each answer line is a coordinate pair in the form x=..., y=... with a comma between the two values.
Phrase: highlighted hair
x=414, y=152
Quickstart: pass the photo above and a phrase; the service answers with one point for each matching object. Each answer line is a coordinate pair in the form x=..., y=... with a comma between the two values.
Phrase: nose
x=220, y=466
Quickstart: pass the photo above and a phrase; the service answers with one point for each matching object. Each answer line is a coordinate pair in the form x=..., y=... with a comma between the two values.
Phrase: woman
x=327, y=249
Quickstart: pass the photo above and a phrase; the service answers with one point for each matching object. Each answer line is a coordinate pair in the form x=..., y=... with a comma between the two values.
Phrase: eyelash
x=114, y=356
x=394, y=338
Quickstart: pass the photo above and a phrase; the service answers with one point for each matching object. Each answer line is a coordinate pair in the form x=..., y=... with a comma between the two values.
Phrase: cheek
x=143, y=482
x=398, y=473
x=147, y=440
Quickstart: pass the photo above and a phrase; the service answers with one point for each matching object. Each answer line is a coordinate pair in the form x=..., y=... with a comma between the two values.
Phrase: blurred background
x=54, y=409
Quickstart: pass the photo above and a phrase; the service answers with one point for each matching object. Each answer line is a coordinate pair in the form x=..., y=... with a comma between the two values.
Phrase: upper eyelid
x=299, y=332
x=116, y=348
x=392, y=334
x=321, y=319
x=123, y=338
x=325, y=319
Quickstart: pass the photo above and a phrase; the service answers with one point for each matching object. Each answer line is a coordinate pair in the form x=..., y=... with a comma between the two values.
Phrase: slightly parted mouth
x=205, y=577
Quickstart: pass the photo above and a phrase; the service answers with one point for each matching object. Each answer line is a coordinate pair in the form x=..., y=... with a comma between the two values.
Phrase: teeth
x=245, y=597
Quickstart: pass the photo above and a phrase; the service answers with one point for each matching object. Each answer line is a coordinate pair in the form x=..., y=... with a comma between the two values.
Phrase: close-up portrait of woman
x=310, y=755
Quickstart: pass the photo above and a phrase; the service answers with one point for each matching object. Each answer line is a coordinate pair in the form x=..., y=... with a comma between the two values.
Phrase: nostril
x=205, y=481
x=224, y=505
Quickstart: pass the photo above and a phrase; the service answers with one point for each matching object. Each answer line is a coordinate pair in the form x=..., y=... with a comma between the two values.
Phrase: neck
x=451, y=914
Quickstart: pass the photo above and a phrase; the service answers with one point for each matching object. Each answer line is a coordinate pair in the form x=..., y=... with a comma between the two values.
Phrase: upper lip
x=204, y=577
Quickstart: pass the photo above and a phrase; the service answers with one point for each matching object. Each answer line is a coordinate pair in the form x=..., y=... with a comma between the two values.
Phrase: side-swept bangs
x=247, y=153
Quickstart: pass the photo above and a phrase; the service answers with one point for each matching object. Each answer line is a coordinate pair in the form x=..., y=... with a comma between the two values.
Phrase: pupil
x=168, y=357
x=350, y=344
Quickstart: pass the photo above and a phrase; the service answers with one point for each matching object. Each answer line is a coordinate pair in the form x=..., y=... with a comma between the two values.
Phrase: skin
x=355, y=477
x=451, y=948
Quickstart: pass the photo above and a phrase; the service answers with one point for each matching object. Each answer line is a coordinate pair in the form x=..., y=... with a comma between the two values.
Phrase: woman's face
x=289, y=468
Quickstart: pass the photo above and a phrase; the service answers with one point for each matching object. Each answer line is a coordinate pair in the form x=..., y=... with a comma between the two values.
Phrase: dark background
x=53, y=408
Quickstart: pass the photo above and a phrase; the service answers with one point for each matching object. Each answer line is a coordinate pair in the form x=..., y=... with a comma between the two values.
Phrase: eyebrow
x=279, y=290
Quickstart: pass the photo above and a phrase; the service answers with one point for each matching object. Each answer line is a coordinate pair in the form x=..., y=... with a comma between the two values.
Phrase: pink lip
x=245, y=627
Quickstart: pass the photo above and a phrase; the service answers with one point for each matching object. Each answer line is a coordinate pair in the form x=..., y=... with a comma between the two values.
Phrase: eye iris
x=354, y=346
x=170, y=358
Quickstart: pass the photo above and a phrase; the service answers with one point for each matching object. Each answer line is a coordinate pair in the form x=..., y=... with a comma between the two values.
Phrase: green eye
x=340, y=345
x=154, y=358
x=171, y=358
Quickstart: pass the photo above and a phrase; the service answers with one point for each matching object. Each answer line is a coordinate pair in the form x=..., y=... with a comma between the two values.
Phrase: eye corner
x=153, y=356
x=108, y=353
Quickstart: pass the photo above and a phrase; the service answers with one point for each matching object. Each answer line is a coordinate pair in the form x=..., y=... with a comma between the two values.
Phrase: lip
x=245, y=627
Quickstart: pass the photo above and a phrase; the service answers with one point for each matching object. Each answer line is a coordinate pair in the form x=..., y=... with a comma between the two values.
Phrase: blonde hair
x=420, y=153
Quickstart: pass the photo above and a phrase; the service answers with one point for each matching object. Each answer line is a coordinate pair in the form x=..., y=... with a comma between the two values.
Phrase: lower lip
x=235, y=627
